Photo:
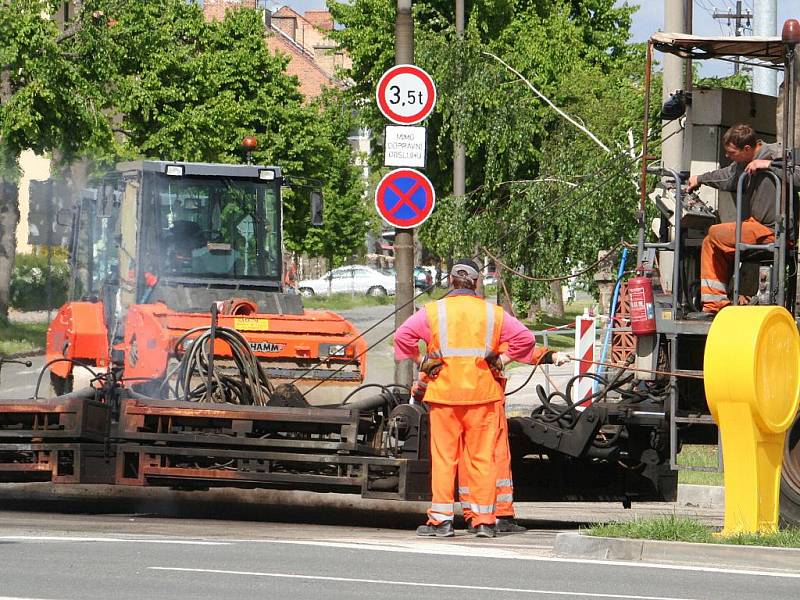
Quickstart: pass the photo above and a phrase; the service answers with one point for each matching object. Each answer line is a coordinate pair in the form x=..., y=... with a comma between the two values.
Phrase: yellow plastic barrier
x=752, y=382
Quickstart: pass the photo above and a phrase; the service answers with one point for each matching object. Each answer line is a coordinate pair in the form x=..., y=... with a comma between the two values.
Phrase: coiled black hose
x=565, y=412
x=249, y=385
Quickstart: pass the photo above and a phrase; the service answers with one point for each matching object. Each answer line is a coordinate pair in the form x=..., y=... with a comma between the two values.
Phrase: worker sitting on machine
x=751, y=155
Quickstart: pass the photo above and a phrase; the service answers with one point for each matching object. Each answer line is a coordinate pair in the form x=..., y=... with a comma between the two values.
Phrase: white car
x=353, y=279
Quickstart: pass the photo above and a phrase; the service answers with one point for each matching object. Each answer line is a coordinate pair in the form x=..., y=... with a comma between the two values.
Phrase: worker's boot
x=485, y=531
x=443, y=530
x=509, y=525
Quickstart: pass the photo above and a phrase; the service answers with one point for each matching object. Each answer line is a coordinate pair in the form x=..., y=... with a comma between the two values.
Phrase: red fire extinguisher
x=643, y=310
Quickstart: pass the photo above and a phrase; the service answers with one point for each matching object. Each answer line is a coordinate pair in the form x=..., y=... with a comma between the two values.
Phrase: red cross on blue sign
x=405, y=198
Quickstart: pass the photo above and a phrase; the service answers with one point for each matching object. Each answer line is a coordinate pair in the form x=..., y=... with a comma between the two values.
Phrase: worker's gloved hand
x=418, y=389
x=554, y=358
x=495, y=362
x=431, y=364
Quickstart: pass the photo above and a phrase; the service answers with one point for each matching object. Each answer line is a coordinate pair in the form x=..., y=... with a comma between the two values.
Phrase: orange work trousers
x=716, y=259
x=504, y=485
x=472, y=427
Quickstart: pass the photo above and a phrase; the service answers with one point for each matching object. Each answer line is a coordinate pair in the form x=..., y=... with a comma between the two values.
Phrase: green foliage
x=739, y=81
x=153, y=79
x=524, y=161
x=46, y=102
x=32, y=278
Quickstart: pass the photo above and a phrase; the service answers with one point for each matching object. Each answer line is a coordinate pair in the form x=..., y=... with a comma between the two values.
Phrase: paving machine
x=181, y=364
x=669, y=348
x=157, y=246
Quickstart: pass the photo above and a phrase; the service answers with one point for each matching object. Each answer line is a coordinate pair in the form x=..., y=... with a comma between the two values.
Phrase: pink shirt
x=519, y=338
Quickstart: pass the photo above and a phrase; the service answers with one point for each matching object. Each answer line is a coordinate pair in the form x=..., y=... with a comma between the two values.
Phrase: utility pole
x=737, y=17
x=459, y=156
x=672, y=149
x=404, y=238
x=765, y=24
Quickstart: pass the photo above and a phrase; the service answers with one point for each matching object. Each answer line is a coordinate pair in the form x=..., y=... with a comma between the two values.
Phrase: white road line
x=484, y=588
x=451, y=549
x=19, y=598
x=54, y=538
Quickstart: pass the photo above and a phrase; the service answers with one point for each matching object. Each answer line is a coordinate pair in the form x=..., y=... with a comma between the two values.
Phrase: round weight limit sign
x=406, y=94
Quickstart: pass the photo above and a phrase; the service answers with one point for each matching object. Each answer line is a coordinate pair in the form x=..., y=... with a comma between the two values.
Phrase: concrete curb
x=578, y=545
x=709, y=496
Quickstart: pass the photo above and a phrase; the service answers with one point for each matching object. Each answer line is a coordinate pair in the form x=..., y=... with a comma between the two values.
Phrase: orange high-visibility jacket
x=464, y=329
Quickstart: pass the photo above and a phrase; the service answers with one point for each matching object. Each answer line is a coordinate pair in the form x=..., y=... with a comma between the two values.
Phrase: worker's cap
x=465, y=268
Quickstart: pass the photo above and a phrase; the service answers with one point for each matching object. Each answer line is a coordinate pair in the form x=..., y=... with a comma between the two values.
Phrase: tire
x=307, y=292
x=790, y=478
x=376, y=291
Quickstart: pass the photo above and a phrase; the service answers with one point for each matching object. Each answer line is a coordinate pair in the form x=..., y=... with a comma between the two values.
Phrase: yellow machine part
x=752, y=384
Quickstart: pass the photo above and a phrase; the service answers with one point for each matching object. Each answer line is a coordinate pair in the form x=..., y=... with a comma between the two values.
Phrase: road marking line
x=417, y=584
x=451, y=549
x=20, y=598
x=52, y=538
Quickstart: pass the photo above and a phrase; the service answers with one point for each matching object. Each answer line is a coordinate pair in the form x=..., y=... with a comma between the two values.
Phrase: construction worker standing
x=464, y=398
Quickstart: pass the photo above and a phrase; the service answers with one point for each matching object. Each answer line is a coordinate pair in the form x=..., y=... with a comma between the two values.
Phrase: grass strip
x=699, y=456
x=16, y=338
x=681, y=529
x=346, y=301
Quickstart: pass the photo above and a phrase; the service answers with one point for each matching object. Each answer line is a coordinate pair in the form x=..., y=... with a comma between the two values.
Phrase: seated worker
x=751, y=155
x=182, y=239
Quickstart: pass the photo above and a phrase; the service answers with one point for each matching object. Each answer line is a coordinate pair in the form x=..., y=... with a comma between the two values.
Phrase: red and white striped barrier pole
x=585, y=333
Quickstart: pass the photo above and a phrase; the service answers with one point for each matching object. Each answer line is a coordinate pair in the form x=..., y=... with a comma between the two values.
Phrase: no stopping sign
x=406, y=94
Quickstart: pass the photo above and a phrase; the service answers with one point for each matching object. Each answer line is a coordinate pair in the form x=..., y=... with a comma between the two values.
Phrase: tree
x=519, y=150
x=45, y=105
x=197, y=98
x=155, y=80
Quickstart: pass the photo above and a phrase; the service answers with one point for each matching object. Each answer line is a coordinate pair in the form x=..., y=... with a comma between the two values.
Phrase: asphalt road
x=62, y=557
x=19, y=381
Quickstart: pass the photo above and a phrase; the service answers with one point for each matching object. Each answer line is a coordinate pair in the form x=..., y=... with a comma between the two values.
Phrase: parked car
x=423, y=280
x=352, y=279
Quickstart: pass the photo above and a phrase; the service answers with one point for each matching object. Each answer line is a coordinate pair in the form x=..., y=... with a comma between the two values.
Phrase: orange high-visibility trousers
x=716, y=259
x=504, y=484
x=473, y=427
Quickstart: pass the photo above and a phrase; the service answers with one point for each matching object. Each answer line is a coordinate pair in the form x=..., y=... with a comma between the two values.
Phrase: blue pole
x=611, y=313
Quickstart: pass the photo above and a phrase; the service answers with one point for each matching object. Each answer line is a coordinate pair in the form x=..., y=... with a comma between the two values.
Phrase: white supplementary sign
x=404, y=146
x=405, y=94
